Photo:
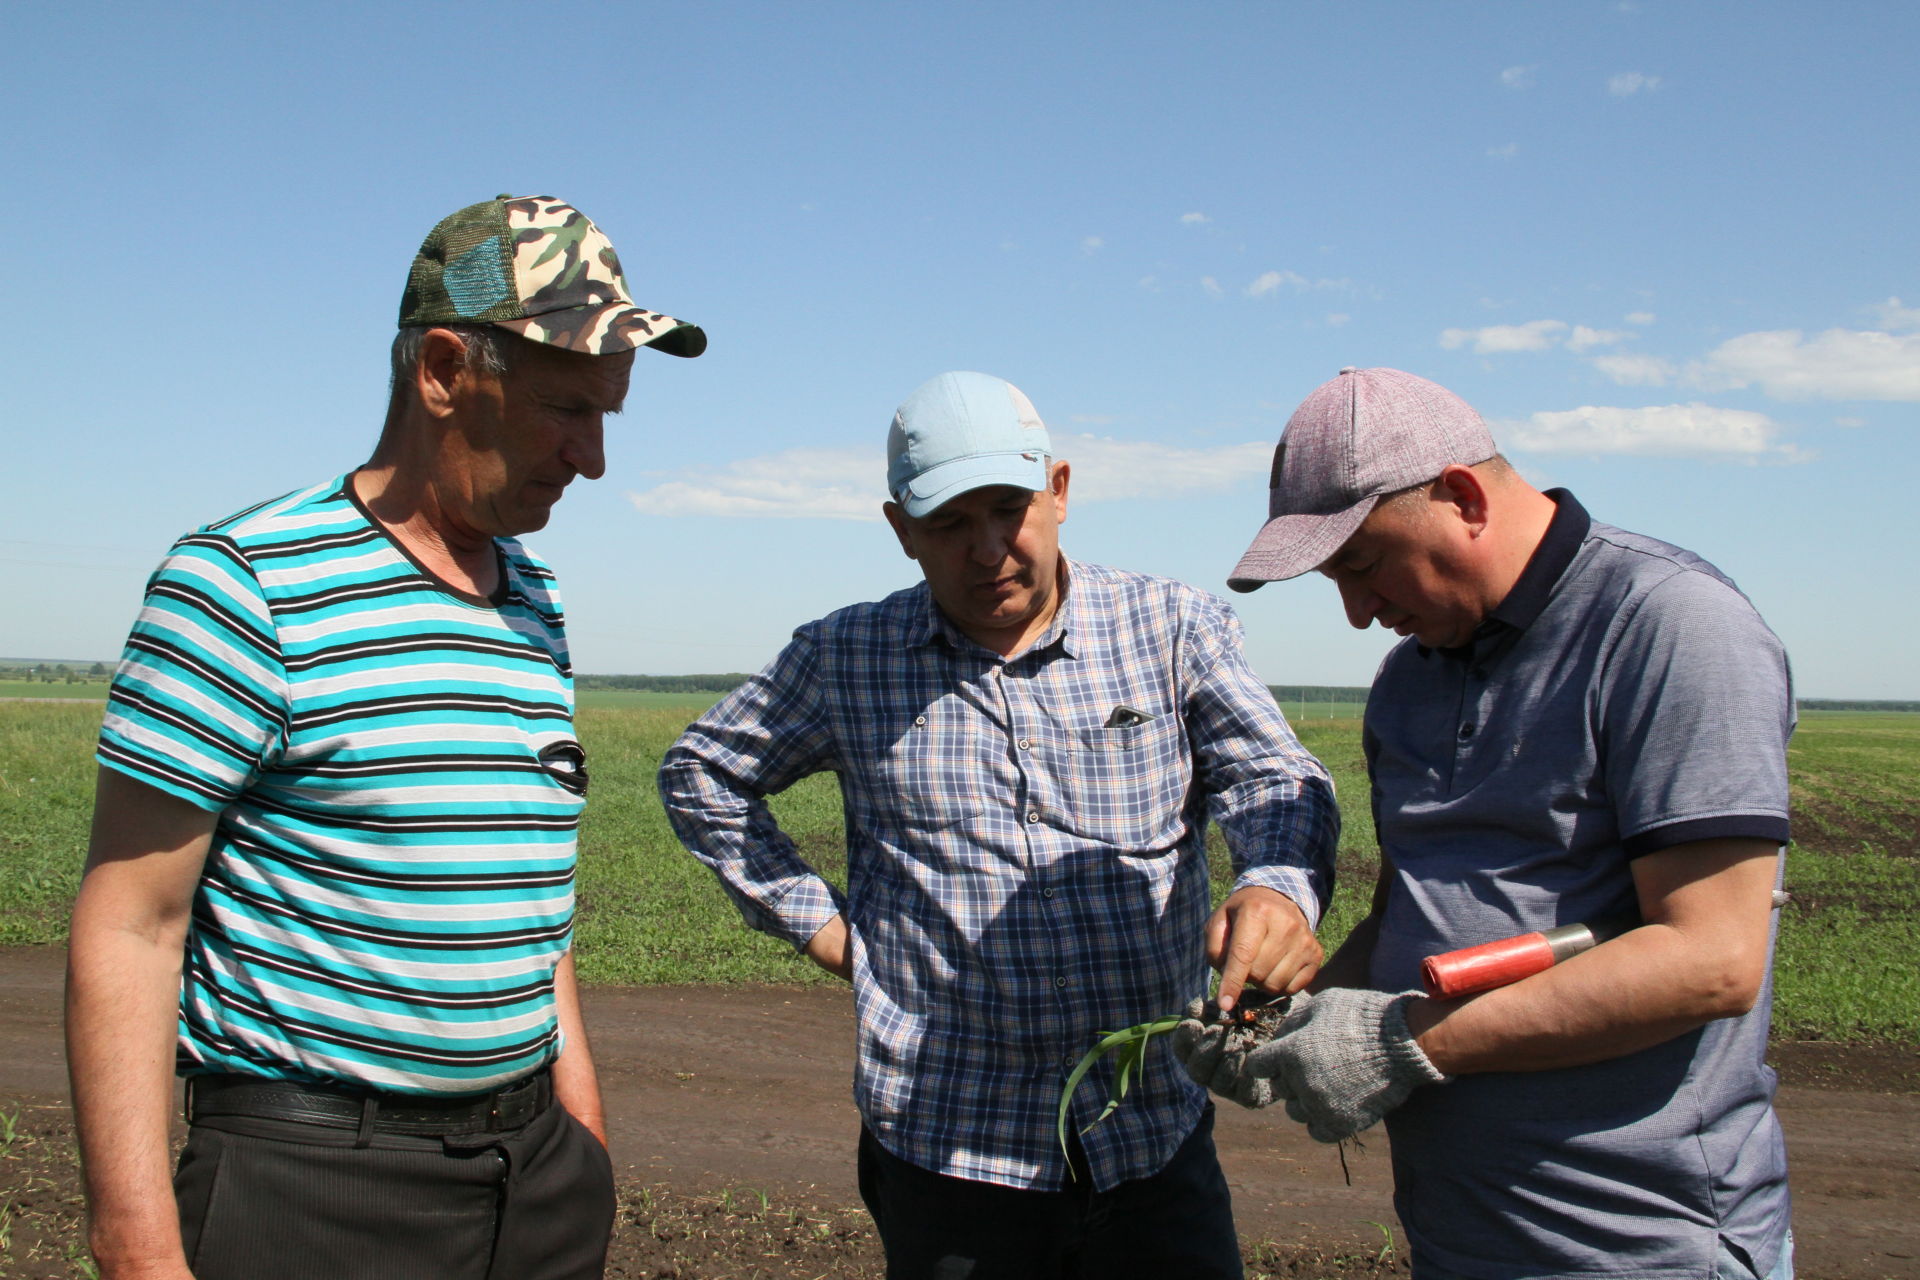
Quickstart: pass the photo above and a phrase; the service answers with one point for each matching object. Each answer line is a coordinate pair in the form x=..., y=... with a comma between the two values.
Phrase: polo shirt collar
x=1561, y=543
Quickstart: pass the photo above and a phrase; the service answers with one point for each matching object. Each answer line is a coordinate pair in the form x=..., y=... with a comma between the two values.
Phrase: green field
x=649, y=913
x=95, y=690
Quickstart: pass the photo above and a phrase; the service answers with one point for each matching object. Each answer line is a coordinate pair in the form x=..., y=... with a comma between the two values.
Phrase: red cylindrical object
x=1472, y=970
x=1482, y=968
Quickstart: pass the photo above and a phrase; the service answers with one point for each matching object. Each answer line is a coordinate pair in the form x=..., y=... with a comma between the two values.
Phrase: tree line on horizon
x=727, y=682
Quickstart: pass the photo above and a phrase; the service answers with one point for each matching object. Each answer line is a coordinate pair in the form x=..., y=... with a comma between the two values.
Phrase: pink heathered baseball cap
x=1361, y=435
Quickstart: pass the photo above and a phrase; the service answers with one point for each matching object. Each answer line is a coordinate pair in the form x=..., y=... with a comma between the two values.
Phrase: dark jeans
x=269, y=1198
x=1174, y=1223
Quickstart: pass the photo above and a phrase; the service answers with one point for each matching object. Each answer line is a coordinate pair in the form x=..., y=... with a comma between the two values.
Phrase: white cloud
x=819, y=484
x=1535, y=335
x=1092, y=419
x=1636, y=371
x=1519, y=77
x=1628, y=83
x=1672, y=430
x=1091, y=245
x=1211, y=285
x=1108, y=470
x=1507, y=152
x=1840, y=364
x=1194, y=219
x=1273, y=281
x=1583, y=338
x=848, y=484
x=1150, y=283
x=1641, y=318
x=1337, y=318
x=1894, y=316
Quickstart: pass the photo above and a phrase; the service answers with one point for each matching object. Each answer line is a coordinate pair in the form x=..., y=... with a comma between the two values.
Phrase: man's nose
x=1361, y=604
x=990, y=545
x=585, y=451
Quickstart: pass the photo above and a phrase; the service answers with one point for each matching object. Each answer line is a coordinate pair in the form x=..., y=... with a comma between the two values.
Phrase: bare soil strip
x=731, y=1119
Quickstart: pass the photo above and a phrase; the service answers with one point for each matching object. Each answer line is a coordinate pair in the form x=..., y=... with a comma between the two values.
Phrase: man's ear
x=443, y=358
x=901, y=529
x=1465, y=494
x=1057, y=477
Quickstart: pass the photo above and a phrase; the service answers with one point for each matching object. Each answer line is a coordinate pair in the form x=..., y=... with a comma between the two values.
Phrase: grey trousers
x=300, y=1202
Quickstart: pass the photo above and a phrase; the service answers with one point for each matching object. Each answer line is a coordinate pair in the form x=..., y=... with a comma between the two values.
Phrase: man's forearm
x=576, y=1083
x=831, y=948
x=123, y=993
x=1702, y=955
x=124, y=953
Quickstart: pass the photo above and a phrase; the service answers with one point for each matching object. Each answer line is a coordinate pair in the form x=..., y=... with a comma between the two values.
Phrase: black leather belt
x=419, y=1115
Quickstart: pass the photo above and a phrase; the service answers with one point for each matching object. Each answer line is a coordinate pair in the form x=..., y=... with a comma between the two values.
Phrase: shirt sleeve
x=1697, y=709
x=1271, y=798
x=198, y=706
x=759, y=740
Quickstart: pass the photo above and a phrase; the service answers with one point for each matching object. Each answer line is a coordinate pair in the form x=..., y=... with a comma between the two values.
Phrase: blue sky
x=1668, y=250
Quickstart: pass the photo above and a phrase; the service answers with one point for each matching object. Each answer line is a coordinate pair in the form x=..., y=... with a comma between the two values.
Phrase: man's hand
x=1215, y=1056
x=1260, y=936
x=830, y=950
x=1342, y=1059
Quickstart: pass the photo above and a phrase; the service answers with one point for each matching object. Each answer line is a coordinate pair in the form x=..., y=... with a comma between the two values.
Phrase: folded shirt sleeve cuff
x=1291, y=881
x=802, y=911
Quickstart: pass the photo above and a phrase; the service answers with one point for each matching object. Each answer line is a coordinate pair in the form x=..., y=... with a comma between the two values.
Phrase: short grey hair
x=489, y=350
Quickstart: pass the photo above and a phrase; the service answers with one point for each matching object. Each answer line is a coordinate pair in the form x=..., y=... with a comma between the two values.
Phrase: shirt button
x=1060, y=981
x=919, y=719
x=1466, y=731
x=1033, y=817
x=1026, y=744
x=1047, y=892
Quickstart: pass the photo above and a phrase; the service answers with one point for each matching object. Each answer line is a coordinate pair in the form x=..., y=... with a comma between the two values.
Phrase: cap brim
x=1288, y=546
x=610, y=329
x=932, y=488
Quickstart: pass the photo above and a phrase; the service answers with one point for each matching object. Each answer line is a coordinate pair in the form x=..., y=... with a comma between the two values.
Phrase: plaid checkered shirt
x=1026, y=864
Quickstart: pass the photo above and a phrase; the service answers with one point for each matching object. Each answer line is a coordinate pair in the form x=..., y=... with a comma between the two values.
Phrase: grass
x=649, y=913
x=46, y=806
x=86, y=690
x=1848, y=940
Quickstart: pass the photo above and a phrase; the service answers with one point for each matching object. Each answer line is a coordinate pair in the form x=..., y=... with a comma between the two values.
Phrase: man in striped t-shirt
x=331, y=875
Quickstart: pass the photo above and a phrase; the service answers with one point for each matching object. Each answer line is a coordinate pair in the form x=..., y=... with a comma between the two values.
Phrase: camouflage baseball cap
x=537, y=267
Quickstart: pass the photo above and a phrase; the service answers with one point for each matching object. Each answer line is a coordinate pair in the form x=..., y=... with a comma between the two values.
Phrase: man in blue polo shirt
x=1581, y=725
x=331, y=873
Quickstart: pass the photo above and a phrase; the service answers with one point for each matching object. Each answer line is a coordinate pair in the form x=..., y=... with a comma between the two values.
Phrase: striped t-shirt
x=391, y=881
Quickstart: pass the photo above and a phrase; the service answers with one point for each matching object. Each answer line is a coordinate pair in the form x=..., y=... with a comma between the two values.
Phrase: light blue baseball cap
x=963, y=431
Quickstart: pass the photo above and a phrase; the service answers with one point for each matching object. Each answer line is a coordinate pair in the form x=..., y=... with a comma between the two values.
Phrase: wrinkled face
x=1404, y=569
x=992, y=558
x=518, y=440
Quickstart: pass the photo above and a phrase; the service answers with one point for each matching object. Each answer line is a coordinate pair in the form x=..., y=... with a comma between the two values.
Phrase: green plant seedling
x=1129, y=1048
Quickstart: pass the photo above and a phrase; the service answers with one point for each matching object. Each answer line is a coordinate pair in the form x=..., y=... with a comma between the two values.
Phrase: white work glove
x=1214, y=1051
x=1342, y=1059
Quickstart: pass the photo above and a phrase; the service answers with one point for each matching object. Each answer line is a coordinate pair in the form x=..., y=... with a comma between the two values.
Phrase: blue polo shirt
x=1624, y=698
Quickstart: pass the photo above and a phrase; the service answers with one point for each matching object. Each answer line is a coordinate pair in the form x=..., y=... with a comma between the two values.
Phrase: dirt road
x=747, y=1088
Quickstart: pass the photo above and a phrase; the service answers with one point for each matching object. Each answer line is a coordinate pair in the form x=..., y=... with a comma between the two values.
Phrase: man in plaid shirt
x=1029, y=750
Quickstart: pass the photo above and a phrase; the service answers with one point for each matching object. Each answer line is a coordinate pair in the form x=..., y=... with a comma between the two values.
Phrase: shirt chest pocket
x=1128, y=786
x=929, y=775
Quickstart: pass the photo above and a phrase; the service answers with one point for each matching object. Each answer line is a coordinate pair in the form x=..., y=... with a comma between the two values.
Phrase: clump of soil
x=1253, y=1021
